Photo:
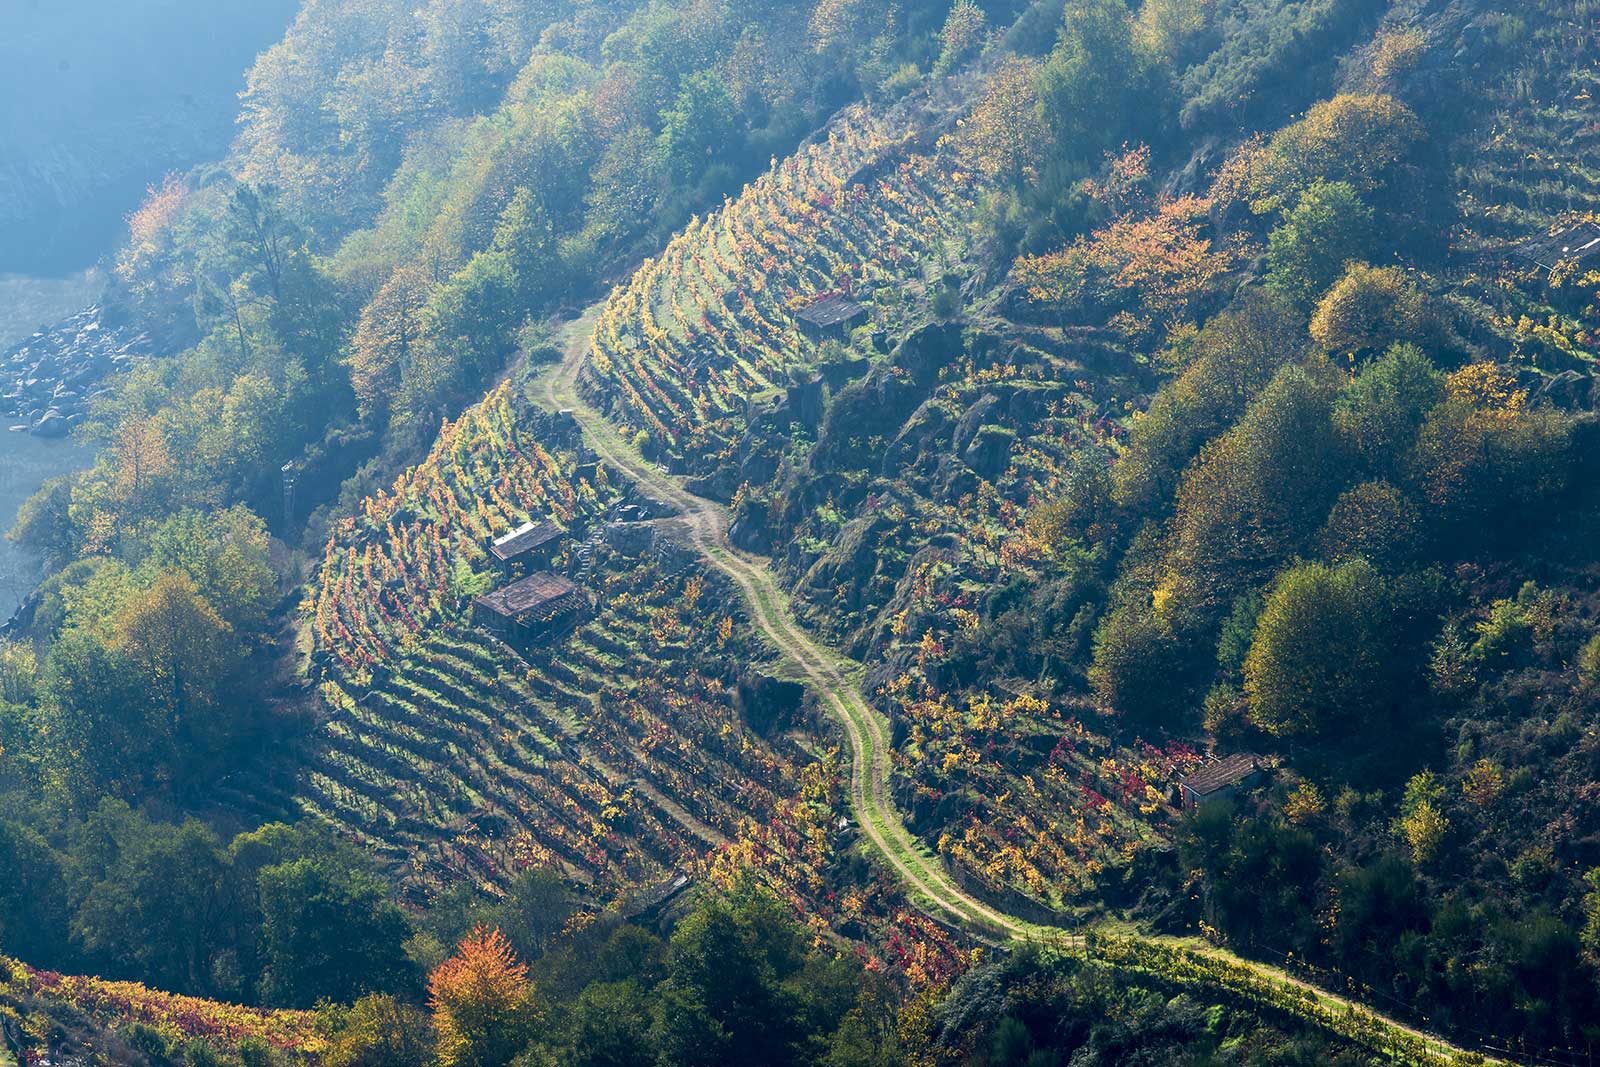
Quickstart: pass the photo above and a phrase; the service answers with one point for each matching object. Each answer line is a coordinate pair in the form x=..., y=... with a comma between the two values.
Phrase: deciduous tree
x=1318, y=661
x=482, y=1003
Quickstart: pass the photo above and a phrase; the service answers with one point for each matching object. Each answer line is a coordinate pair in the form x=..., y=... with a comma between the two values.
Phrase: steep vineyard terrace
x=610, y=752
x=892, y=473
x=645, y=740
x=873, y=208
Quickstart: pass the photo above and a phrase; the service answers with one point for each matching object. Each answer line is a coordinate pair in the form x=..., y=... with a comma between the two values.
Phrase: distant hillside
x=98, y=99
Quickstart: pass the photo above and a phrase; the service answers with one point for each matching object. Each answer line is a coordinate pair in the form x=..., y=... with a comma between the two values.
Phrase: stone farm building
x=1578, y=244
x=526, y=548
x=831, y=317
x=530, y=610
x=1218, y=779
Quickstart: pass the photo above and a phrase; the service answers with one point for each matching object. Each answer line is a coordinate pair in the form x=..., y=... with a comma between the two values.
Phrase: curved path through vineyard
x=835, y=679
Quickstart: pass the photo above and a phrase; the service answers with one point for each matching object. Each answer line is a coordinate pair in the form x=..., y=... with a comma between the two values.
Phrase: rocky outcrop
x=765, y=702
x=47, y=381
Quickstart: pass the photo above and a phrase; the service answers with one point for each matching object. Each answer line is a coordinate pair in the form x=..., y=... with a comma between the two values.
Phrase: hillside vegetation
x=1197, y=392
x=140, y=99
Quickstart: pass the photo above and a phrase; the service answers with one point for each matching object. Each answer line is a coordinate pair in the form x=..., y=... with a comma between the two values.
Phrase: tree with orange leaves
x=149, y=251
x=482, y=1002
x=1148, y=271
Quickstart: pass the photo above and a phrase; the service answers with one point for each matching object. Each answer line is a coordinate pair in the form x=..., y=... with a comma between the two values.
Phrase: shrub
x=380, y=1031
x=1379, y=413
x=1589, y=663
x=1369, y=309
x=1507, y=636
x=962, y=35
x=1422, y=821
x=1373, y=521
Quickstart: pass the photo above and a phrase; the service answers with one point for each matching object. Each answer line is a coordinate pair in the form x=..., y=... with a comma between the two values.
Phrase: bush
x=1373, y=521
x=1132, y=669
x=1369, y=309
x=1380, y=412
x=380, y=1031
x=1589, y=663
x=1507, y=636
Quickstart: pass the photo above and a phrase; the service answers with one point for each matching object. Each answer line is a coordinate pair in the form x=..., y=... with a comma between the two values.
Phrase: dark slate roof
x=1229, y=770
x=524, y=538
x=832, y=310
x=541, y=595
x=1574, y=243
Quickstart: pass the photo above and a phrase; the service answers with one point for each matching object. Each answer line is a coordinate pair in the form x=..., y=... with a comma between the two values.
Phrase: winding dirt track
x=833, y=678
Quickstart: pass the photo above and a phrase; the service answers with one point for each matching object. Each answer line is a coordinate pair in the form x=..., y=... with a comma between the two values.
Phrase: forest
x=1052, y=531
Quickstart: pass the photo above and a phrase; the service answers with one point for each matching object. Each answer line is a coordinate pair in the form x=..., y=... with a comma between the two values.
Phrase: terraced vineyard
x=1527, y=169
x=614, y=753
x=40, y=1007
x=1534, y=157
x=465, y=760
x=1181, y=963
x=407, y=559
x=905, y=494
x=710, y=322
x=1030, y=800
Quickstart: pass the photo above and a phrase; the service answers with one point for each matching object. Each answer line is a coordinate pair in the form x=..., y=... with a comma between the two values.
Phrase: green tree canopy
x=1326, y=229
x=1101, y=83
x=1319, y=661
x=329, y=932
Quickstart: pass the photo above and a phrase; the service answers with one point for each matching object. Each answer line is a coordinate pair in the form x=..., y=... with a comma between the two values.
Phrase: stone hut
x=531, y=610
x=1218, y=779
x=527, y=548
x=1575, y=244
x=831, y=318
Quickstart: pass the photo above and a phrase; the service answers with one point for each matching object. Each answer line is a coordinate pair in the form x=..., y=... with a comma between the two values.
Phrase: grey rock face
x=48, y=381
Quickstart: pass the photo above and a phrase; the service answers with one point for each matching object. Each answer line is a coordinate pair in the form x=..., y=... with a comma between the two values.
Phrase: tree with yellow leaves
x=145, y=262
x=1370, y=308
x=1422, y=822
x=1004, y=138
x=1354, y=137
x=387, y=338
x=140, y=457
x=482, y=1003
x=185, y=653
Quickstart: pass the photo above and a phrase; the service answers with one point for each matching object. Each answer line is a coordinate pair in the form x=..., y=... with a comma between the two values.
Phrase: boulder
x=51, y=424
x=972, y=419
x=927, y=351
x=990, y=450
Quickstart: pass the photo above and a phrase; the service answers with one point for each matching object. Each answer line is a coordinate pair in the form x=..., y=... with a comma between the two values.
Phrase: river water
x=26, y=462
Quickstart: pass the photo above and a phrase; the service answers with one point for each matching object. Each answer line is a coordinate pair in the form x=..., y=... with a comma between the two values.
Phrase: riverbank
x=26, y=462
x=29, y=304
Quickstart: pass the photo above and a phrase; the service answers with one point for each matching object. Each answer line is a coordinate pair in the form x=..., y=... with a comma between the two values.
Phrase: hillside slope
x=145, y=88
x=1067, y=518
